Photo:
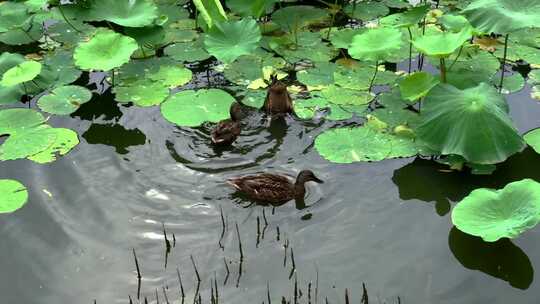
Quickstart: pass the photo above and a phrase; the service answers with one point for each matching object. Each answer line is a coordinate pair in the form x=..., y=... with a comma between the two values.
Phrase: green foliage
x=14, y=195
x=64, y=100
x=473, y=123
x=293, y=18
x=532, y=138
x=191, y=108
x=441, y=44
x=229, y=40
x=366, y=11
x=495, y=214
x=132, y=13
x=408, y=18
x=417, y=85
x=376, y=44
x=211, y=11
x=20, y=73
x=503, y=16
x=144, y=93
x=254, y=8
x=105, y=51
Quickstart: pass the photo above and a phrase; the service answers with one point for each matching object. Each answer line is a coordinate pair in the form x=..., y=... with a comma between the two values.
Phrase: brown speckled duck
x=278, y=100
x=273, y=188
x=226, y=131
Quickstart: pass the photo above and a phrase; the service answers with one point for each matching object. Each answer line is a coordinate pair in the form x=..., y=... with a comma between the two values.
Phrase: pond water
x=385, y=224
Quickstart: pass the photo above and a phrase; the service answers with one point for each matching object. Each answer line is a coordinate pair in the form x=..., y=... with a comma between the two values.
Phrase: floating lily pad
x=293, y=18
x=254, y=8
x=20, y=73
x=473, y=123
x=64, y=100
x=417, y=85
x=495, y=214
x=470, y=71
x=347, y=145
x=63, y=32
x=187, y=51
x=105, y=51
x=191, y=108
x=359, y=78
x=249, y=68
x=316, y=53
x=27, y=142
x=16, y=120
x=143, y=93
x=171, y=76
x=254, y=98
x=11, y=94
x=408, y=18
x=366, y=11
x=229, y=40
x=512, y=83
x=532, y=138
x=306, y=109
x=376, y=44
x=132, y=13
x=502, y=16
x=343, y=96
x=65, y=141
x=14, y=195
x=441, y=44
x=342, y=38
x=322, y=74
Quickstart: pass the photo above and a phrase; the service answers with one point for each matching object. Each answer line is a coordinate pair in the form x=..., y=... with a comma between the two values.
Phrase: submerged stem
x=374, y=75
x=503, y=62
x=443, y=70
x=410, y=48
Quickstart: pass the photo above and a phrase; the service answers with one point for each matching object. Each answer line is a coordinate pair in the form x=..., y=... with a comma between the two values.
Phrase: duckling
x=278, y=100
x=273, y=188
x=226, y=131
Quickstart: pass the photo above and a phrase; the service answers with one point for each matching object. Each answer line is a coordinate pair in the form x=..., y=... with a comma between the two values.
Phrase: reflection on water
x=114, y=135
x=501, y=259
x=101, y=107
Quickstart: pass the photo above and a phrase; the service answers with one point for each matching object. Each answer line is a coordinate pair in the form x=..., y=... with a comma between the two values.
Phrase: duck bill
x=317, y=180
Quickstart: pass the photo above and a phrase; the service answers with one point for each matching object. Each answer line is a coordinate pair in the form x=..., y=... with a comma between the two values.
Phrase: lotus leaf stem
x=410, y=48
x=503, y=62
x=457, y=57
x=443, y=70
x=332, y=22
x=374, y=75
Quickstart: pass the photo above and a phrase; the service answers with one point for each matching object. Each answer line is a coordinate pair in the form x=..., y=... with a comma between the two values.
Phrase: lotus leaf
x=395, y=112
x=366, y=11
x=13, y=15
x=321, y=75
x=347, y=145
x=66, y=139
x=512, y=83
x=293, y=18
x=451, y=119
x=441, y=44
x=360, y=78
x=191, y=108
x=171, y=76
x=316, y=53
x=18, y=120
x=10, y=94
x=342, y=38
x=105, y=51
x=408, y=18
x=249, y=68
x=254, y=98
x=532, y=138
x=417, y=85
x=187, y=51
x=27, y=142
x=14, y=195
x=20, y=73
x=63, y=32
x=503, y=16
x=144, y=93
x=343, y=96
x=495, y=214
x=254, y=8
x=454, y=23
x=211, y=11
x=523, y=52
x=470, y=71
x=132, y=13
x=229, y=40
x=64, y=100
x=396, y=3
x=376, y=44
x=306, y=109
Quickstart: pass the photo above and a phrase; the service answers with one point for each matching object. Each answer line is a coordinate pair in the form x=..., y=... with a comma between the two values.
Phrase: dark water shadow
x=430, y=181
x=114, y=135
x=102, y=107
x=501, y=259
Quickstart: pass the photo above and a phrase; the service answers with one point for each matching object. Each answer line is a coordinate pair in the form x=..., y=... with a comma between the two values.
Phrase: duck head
x=307, y=176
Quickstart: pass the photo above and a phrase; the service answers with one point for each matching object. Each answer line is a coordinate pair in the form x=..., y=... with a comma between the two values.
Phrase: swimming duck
x=278, y=100
x=273, y=188
x=226, y=131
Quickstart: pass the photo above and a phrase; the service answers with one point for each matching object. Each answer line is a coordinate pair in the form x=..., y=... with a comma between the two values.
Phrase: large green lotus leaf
x=441, y=44
x=171, y=76
x=503, y=16
x=342, y=38
x=144, y=93
x=396, y=3
x=473, y=123
x=417, y=85
x=59, y=68
x=18, y=120
x=254, y=8
x=173, y=10
x=12, y=15
x=470, y=71
x=454, y=23
x=253, y=98
x=322, y=74
x=532, y=138
x=517, y=51
x=249, y=68
x=211, y=11
x=192, y=108
x=359, y=78
x=64, y=100
x=151, y=37
x=229, y=40
x=376, y=44
x=12, y=94
x=20, y=73
x=62, y=32
x=317, y=53
x=306, y=108
x=366, y=11
x=187, y=51
x=343, y=96
x=27, y=142
x=19, y=36
x=65, y=140
x=105, y=51
x=408, y=18
x=131, y=13
x=512, y=83
x=293, y=18
x=347, y=145
x=14, y=195
x=495, y=214
x=527, y=36
x=394, y=112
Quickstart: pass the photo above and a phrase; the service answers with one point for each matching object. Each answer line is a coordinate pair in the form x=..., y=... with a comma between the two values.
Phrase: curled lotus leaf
x=495, y=214
x=105, y=51
x=417, y=85
x=14, y=195
x=20, y=73
x=450, y=120
x=64, y=100
x=191, y=108
x=503, y=16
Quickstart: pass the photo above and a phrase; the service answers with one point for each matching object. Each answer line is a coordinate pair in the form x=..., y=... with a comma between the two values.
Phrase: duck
x=278, y=101
x=226, y=131
x=274, y=188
